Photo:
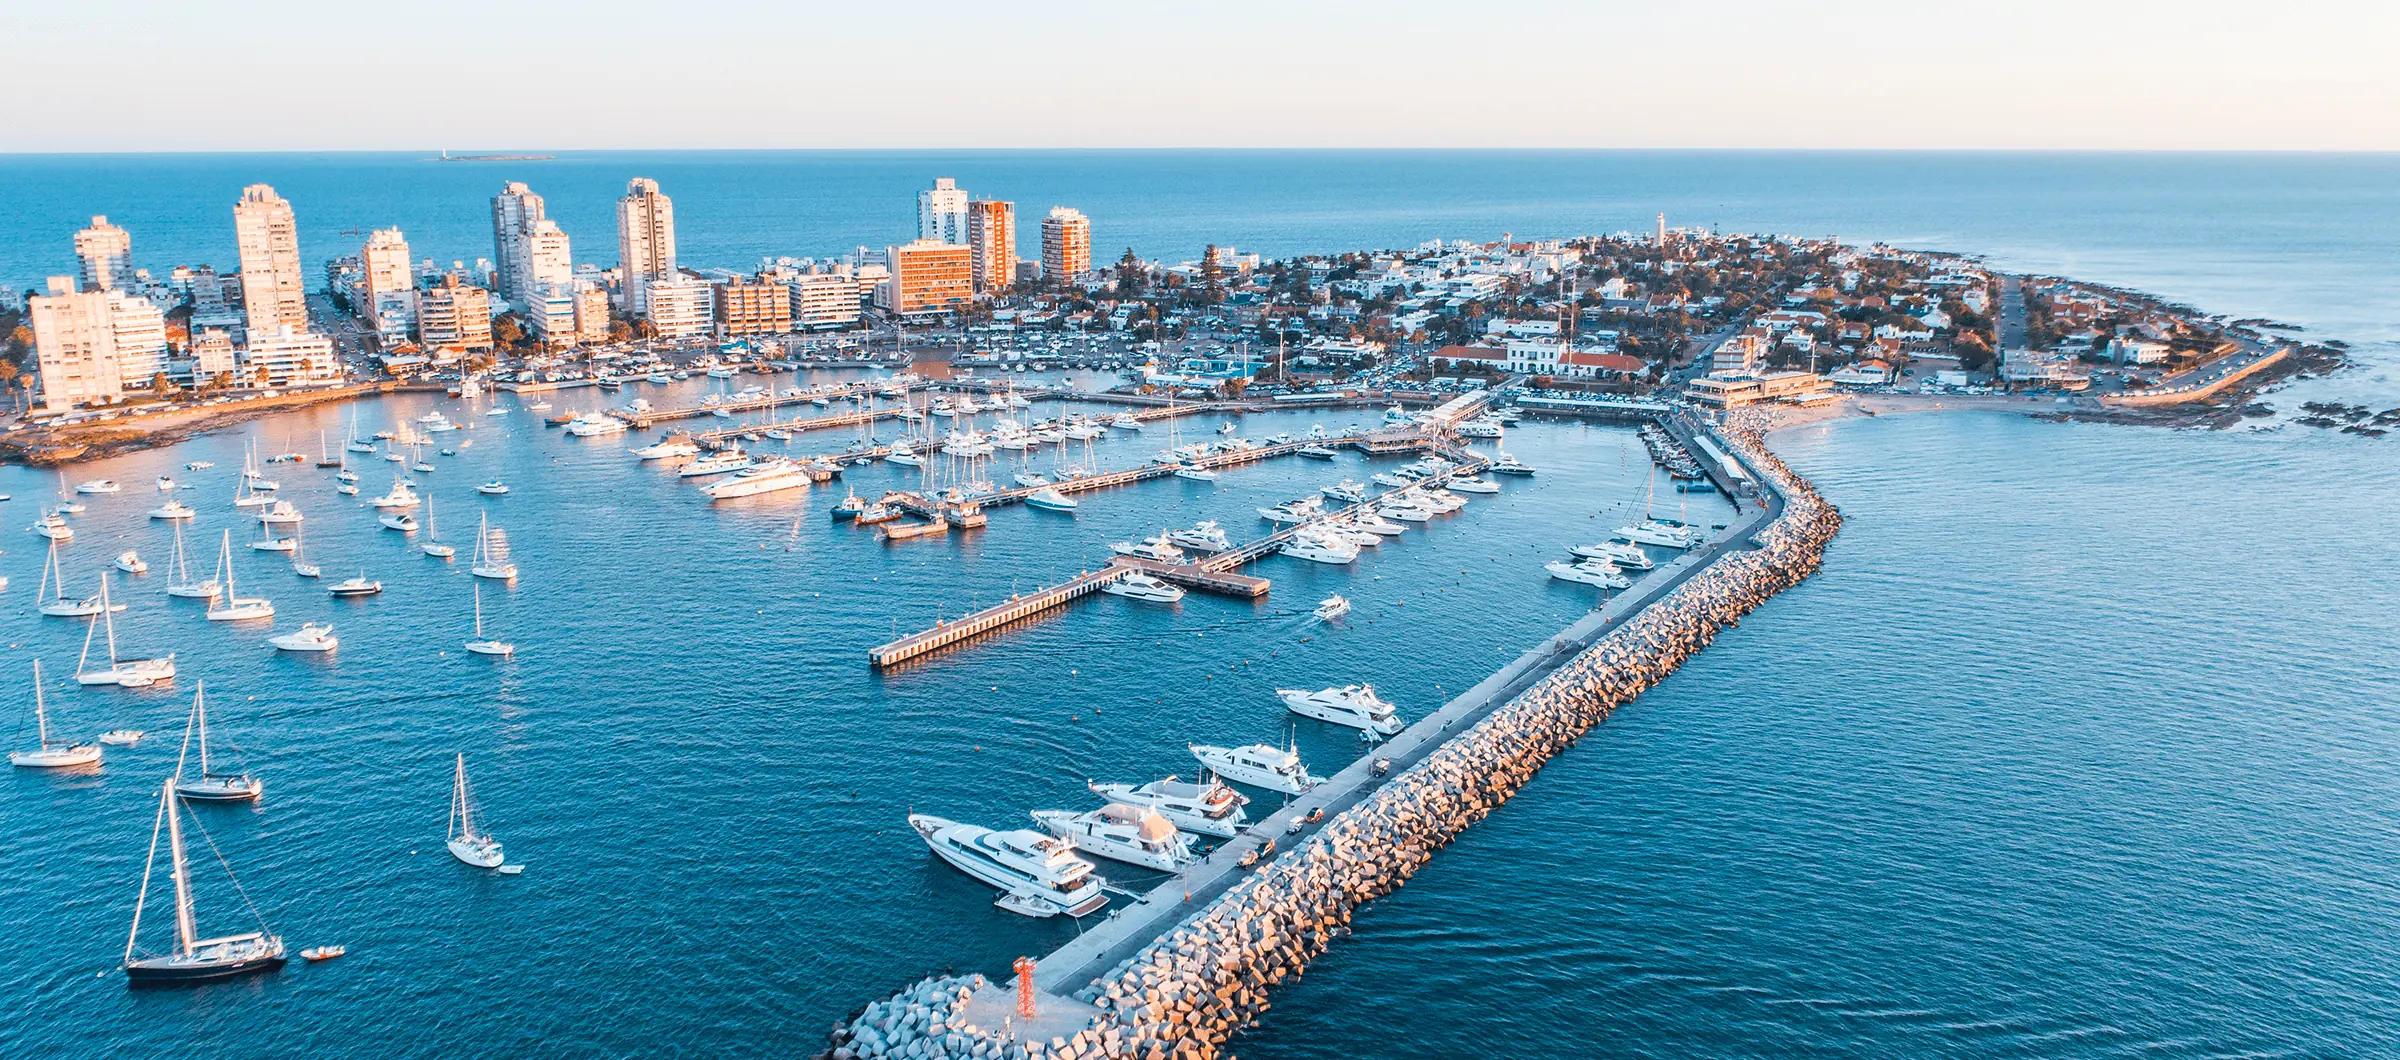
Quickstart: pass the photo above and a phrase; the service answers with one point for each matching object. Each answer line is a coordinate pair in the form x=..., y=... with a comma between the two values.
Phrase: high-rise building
x=680, y=308
x=645, y=241
x=548, y=261
x=140, y=329
x=824, y=300
x=107, y=255
x=927, y=276
x=992, y=234
x=387, y=290
x=514, y=212
x=454, y=316
x=273, y=293
x=94, y=345
x=942, y=212
x=752, y=306
x=1066, y=245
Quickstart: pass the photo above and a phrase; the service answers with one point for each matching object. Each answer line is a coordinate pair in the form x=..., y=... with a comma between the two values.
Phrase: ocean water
x=2080, y=745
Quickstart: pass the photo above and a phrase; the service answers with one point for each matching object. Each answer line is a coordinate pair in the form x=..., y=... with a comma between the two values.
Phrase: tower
x=107, y=255
x=645, y=241
x=273, y=295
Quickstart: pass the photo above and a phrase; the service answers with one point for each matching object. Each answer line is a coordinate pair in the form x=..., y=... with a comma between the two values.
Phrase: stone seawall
x=1185, y=995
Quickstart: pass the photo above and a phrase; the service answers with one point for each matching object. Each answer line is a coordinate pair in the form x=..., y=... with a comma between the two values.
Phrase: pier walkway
x=763, y=403
x=944, y=634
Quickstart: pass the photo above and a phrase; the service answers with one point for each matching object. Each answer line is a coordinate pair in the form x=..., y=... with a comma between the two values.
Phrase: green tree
x=1129, y=274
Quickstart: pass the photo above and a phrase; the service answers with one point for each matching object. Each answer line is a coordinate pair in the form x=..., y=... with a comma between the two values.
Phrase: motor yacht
x=1620, y=553
x=593, y=424
x=280, y=513
x=1320, y=548
x=1663, y=533
x=122, y=737
x=1156, y=547
x=1125, y=421
x=173, y=509
x=1393, y=478
x=1588, y=572
x=1037, y=873
x=1346, y=490
x=1406, y=510
x=1356, y=706
x=1299, y=511
x=1138, y=586
x=672, y=448
x=1316, y=452
x=905, y=455
x=1028, y=478
x=1213, y=808
x=1048, y=498
x=311, y=636
x=1258, y=765
x=402, y=495
x=403, y=522
x=358, y=586
x=718, y=463
x=1473, y=484
x=494, y=488
x=1203, y=536
x=1135, y=835
x=766, y=476
x=1332, y=607
x=1195, y=473
x=131, y=562
x=98, y=486
x=53, y=526
x=1510, y=465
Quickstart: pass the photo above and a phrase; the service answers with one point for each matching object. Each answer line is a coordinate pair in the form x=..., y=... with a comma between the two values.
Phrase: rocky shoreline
x=47, y=447
x=1184, y=996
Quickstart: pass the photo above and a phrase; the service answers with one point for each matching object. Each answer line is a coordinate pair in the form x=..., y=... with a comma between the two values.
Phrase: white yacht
x=1406, y=510
x=49, y=754
x=1346, y=490
x=1320, y=548
x=1510, y=465
x=1195, y=473
x=905, y=455
x=52, y=594
x=593, y=424
x=1621, y=553
x=1332, y=607
x=53, y=526
x=1356, y=706
x=1663, y=533
x=766, y=476
x=1374, y=523
x=121, y=737
x=1028, y=478
x=718, y=463
x=467, y=841
x=1203, y=536
x=1588, y=572
x=1049, y=498
x=1473, y=484
x=1155, y=547
x=487, y=646
x=210, y=785
x=678, y=446
x=179, y=575
x=99, y=485
x=173, y=510
x=1138, y=586
x=1135, y=835
x=231, y=606
x=358, y=586
x=124, y=673
x=131, y=562
x=1213, y=808
x=311, y=636
x=1039, y=874
x=403, y=522
x=494, y=488
x=1299, y=511
x=280, y=513
x=1125, y=421
x=401, y=496
x=1258, y=765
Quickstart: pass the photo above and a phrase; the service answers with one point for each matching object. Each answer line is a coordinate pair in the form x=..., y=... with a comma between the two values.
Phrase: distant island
x=448, y=157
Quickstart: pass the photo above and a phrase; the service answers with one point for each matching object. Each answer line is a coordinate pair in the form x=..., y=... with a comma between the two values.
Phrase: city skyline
x=2212, y=76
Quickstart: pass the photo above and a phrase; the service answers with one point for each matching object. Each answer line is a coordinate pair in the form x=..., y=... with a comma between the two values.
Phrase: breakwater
x=1186, y=993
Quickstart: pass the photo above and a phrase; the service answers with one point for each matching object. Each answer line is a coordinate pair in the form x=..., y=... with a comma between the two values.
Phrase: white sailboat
x=179, y=576
x=468, y=842
x=193, y=959
x=211, y=786
x=50, y=755
x=433, y=545
x=491, y=552
x=54, y=581
x=480, y=645
x=124, y=673
x=230, y=606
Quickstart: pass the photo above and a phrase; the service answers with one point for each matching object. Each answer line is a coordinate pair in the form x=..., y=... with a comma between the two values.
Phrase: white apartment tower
x=548, y=262
x=107, y=255
x=94, y=345
x=387, y=292
x=1066, y=245
x=942, y=212
x=645, y=241
x=268, y=239
x=514, y=212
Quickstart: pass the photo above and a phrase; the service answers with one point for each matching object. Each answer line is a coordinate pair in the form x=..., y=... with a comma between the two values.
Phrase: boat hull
x=170, y=971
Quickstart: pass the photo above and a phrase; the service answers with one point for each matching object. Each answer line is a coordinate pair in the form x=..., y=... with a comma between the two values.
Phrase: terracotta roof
x=1470, y=353
x=1606, y=362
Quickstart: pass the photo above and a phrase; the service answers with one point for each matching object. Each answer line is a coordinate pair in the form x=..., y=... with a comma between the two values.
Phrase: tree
x=1212, y=276
x=1129, y=274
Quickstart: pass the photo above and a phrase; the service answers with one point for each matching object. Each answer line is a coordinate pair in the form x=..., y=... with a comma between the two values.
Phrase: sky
x=529, y=75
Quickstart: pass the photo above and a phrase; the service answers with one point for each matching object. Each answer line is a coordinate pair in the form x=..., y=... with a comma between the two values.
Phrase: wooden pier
x=1018, y=608
x=763, y=403
x=722, y=435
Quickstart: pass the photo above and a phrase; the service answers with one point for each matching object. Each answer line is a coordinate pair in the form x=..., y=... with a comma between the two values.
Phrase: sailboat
x=193, y=959
x=491, y=553
x=302, y=567
x=325, y=457
x=51, y=755
x=231, y=606
x=433, y=539
x=179, y=576
x=481, y=646
x=356, y=443
x=211, y=786
x=125, y=673
x=468, y=843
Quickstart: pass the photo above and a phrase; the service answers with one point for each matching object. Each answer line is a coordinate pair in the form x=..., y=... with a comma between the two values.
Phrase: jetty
x=1182, y=969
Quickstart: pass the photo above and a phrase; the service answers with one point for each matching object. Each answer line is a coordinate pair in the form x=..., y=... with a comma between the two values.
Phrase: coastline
x=51, y=447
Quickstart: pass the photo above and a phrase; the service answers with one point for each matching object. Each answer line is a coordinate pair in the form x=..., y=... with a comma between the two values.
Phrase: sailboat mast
x=200, y=724
x=184, y=931
x=166, y=798
x=478, y=618
x=107, y=620
x=41, y=715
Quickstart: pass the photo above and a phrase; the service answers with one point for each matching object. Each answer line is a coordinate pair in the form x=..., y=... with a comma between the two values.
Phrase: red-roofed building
x=1588, y=364
x=1491, y=355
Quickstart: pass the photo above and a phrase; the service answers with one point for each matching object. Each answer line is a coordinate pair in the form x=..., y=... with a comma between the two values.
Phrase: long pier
x=766, y=402
x=944, y=634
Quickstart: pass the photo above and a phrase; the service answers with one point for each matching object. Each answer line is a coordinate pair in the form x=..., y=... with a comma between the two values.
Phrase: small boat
x=422, y=466
x=850, y=506
x=493, y=488
x=314, y=954
x=480, y=645
x=346, y=489
x=99, y=486
x=193, y=959
x=275, y=544
x=468, y=842
x=130, y=562
x=281, y=513
x=403, y=522
x=199, y=465
x=311, y=636
x=1048, y=498
x=54, y=526
x=122, y=737
x=1138, y=586
x=346, y=475
x=1259, y=765
x=165, y=484
x=49, y=754
x=1332, y=607
x=358, y=586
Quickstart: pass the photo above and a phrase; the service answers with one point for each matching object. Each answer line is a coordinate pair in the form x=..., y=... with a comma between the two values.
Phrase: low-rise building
x=823, y=300
x=1735, y=389
x=682, y=307
x=290, y=356
x=752, y=306
x=927, y=277
x=454, y=317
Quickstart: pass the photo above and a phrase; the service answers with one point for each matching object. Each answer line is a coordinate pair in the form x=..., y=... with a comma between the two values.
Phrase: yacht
x=494, y=488
x=1203, y=536
x=1346, y=490
x=1125, y=421
x=905, y=455
x=678, y=446
x=1320, y=548
x=210, y=786
x=401, y=496
x=1258, y=765
x=1316, y=452
x=311, y=636
x=1156, y=547
x=1135, y=835
x=1332, y=607
x=1472, y=484
x=766, y=476
x=467, y=842
x=1442, y=502
x=53, y=526
x=1396, y=414
x=1138, y=586
x=1662, y=533
x=1028, y=478
x=403, y=522
x=1393, y=478
x=1588, y=572
x=125, y=673
x=1370, y=522
x=121, y=737
x=1299, y=511
x=1213, y=808
x=54, y=586
x=1620, y=553
x=358, y=586
x=593, y=424
x=192, y=959
x=173, y=509
x=1510, y=465
x=231, y=606
x=49, y=754
x=347, y=489
x=179, y=575
x=487, y=646
x=1356, y=706
x=1406, y=510
x=199, y=465
x=280, y=513
x=1039, y=874
x=131, y=562
x=99, y=485
x=1049, y=498
x=718, y=463
x=1195, y=472
x=1480, y=428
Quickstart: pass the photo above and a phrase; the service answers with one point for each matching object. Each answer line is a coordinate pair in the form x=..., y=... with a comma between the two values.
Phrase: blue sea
x=2080, y=745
